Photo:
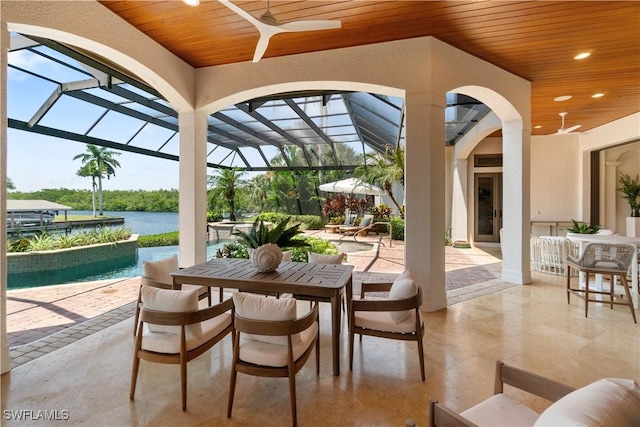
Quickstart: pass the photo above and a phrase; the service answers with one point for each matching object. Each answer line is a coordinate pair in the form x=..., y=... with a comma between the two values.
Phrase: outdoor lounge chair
x=606, y=402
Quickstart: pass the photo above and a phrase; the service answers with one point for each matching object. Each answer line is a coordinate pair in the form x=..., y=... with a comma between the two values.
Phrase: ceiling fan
x=564, y=130
x=269, y=26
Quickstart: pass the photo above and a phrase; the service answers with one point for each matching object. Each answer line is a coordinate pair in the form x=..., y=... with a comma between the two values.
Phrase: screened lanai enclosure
x=294, y=132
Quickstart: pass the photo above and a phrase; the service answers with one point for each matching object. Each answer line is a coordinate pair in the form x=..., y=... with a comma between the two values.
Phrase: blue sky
x=35, y=162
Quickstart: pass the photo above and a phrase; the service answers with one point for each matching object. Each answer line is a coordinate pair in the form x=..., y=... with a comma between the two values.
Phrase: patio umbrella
x=352, y=186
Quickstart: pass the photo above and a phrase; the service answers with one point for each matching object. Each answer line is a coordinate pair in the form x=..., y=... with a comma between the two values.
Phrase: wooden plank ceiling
x=534, y=40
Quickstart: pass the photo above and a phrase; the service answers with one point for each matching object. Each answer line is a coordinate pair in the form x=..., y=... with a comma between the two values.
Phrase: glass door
x=488, y=207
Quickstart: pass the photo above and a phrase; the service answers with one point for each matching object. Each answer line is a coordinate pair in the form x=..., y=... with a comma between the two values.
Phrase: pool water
x=109, y=269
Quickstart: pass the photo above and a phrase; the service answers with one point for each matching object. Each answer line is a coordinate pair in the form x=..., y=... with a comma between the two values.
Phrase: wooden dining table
x=321, y=281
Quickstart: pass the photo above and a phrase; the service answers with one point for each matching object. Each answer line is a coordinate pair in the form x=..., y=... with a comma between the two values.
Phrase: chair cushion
x=325, y=259
x=403, y=287
x=606, y=402
x=501, y=410
x=266, y=354
x=161, y=270
x=366, y=220
x=173, y=302
x=261, y=308
x=383, y=321
x=163, y=342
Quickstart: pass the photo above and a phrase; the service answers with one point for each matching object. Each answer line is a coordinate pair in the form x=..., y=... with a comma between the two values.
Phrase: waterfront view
x=142, y=223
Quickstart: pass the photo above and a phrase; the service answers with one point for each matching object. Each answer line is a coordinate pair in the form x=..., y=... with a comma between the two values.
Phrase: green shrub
x=48, y=242
x=308, y=222
x=214, y=216
x=398, y=228
x=164, y=239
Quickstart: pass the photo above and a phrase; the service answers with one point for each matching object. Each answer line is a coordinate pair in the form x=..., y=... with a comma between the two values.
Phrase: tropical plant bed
x=51, y=260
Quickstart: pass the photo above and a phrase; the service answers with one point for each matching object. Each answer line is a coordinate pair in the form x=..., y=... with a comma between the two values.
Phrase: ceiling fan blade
x=295, y=26
x=243, y=13
x=572, y=128
x=261, y=47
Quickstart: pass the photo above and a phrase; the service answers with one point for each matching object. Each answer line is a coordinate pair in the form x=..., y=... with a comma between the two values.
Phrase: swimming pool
x=109, y=269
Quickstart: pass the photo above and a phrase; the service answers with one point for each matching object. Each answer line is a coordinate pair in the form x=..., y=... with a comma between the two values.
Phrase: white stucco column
x=516, y=149
x=5, y=362
x=424, y=182
x=193, y=187
x=459, y=217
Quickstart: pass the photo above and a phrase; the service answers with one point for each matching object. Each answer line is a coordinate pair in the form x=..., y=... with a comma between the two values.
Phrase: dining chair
x=157, y=274
x=396, y=317
x=607, y=259
x=173, y=330
x=271, y=341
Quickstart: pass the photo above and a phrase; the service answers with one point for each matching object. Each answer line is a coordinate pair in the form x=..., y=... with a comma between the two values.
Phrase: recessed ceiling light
x=562, y=98
x=597, y=95
x=537, y=127
x=191, y=2
x=582, y=55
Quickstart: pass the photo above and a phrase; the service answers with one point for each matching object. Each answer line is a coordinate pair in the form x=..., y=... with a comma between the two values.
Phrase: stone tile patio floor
x=41, y=320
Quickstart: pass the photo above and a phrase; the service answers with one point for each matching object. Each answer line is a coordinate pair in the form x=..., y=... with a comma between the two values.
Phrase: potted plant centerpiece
x=265, y=244
x=583, y=228
x=630, y=189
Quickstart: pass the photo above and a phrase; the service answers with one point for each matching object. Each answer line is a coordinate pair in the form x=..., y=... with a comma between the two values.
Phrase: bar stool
x=607, y=259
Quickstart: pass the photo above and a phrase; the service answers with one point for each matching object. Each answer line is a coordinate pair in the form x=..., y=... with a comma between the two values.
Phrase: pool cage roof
x=62, y=92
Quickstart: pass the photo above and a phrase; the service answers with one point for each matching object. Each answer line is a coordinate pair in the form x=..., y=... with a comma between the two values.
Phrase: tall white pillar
x=516, y=149
x=459, y=214
x=193, y=187
x=424, y=182
x=5, y=362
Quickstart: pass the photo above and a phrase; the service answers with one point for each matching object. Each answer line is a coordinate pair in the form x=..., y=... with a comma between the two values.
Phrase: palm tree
x=89, y=170
x=10, y=184
x=225, y=184
x=102, y=162
x=384, y=170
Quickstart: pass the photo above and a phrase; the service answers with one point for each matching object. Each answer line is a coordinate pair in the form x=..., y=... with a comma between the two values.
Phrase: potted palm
x=630, y=189
x=265, y=244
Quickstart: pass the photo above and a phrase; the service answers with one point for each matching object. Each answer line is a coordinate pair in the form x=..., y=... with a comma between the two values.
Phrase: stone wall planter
x=44, y=261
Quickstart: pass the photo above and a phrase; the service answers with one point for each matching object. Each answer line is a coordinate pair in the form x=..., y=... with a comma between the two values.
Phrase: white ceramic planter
x=633, y=226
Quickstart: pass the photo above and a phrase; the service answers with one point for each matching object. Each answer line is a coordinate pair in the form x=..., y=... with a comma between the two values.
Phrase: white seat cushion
x=609, y=402
x=383, y=321
x=402, y=288
x=257, y=307
x=161, y=270
x=501, y=410
x=173, y=302
x=325, y=259
x=164, y=342
x=266, y=354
